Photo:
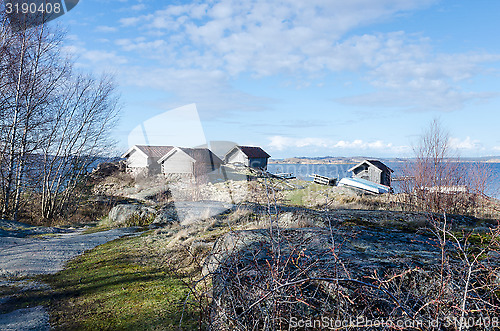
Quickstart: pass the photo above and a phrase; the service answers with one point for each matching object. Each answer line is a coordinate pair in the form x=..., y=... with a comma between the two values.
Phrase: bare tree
x=54, y=122
x=78, y=137
x=438, y=180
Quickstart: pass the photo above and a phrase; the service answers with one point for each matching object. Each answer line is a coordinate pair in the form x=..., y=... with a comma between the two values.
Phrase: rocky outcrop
x=325, y=267
x=194, y=211
x=185, y=212
x=106, y=169
x=166, y=215
x=362, y=250
x=122, y=215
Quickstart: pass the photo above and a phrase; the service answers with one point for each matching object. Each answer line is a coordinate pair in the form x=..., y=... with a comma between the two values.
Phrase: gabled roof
x=150, y=151
x=201, y=155
x=375, y=163
x=252, y=152
x=219, y=147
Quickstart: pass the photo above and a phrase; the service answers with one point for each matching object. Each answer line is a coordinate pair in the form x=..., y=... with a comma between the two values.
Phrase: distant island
x=357, y=159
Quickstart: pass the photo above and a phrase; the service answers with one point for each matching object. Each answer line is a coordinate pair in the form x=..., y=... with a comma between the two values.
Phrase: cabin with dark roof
x=142, y=159
x=374, y=171
x=192, y=162
x=254, y=157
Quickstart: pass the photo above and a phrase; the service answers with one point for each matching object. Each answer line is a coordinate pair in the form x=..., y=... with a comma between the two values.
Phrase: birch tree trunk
x=10, y=147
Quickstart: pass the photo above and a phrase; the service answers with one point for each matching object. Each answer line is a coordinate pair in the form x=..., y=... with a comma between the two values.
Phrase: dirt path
x=26, y=257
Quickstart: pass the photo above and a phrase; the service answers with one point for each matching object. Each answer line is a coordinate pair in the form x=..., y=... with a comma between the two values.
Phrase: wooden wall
x=258, y=163
x=178, y=163
x=238, y=156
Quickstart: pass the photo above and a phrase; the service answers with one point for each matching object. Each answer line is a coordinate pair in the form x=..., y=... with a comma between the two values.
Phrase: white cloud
x=106, y=29
x=281, y=143
x=70, y=50
x=139, y=44
x=360, y=144
x=408, y=74
x=496, y=148
x=87, y=57
x=448, y=99
x=138, y=7
x=210, y=90
x=266, y=37
x=130, y=21
x=103, y=56
x=307, y=39
x=465, y=144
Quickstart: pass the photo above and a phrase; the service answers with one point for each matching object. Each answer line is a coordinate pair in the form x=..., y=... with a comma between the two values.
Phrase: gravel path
x=25, y=257
x=31, y=256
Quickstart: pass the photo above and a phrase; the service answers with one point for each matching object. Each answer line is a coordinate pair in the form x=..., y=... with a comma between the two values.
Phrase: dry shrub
x=85, y=208
x=200, y=248
x=114, y=183
x=263, y=283
x=238, y=215
x=264, y=191
x=437, y=180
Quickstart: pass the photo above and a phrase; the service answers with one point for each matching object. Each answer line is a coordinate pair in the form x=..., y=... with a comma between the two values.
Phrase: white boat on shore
x=365, y=185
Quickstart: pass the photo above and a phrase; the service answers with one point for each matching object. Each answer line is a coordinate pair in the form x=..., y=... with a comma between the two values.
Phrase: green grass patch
x=296, y=197
x=113, y=287
x=98, y=228
x=312, y=194
x=45, y=235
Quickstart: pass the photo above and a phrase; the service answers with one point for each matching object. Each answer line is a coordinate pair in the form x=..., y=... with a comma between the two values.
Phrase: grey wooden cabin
x=374, y=171
x=194, y=162
x=142, y=159
x=254, y=157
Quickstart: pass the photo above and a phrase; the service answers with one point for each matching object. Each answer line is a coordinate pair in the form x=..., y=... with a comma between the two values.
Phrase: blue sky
x=302, y=78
